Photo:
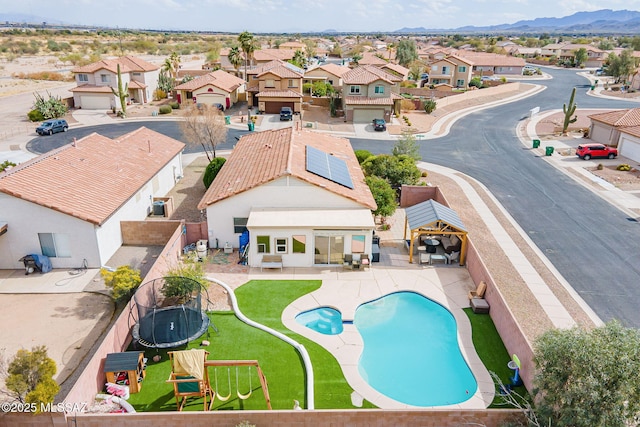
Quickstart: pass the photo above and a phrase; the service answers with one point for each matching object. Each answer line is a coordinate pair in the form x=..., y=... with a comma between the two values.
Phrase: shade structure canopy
x=434, y=219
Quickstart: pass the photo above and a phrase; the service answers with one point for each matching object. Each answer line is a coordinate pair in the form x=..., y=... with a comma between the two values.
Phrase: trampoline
x=169, y=321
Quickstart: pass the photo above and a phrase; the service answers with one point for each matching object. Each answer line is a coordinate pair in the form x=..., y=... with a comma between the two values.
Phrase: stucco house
x=396, y=69
x=620, y=128
x=492, y=63
x=330, y=73
x=567, y=51
x=274, y=85
x=369, y=93
x=217, y=87
x=96, y=80
x=263, y=56
x=300, y=195
x=68, y=203
x=452, y=70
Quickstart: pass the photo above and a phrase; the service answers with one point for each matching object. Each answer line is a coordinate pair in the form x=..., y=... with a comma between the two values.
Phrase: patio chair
x=479, y=292
x=348, y=261
x=189, y=376
x=364, y=261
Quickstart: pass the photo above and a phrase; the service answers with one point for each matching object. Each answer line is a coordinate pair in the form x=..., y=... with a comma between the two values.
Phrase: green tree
x=580, y=56
x=212, y=170
x=247, y=44
x=407, y=145
x=30, y=376
x=172, y=65
x=122, y=93
x=362, y=155
x=355, y=58
x=122, y=281
x=235, y=58
x=416, y=68
x=299, y=59
x=477, y=82
x=396, y=170
x=6, y=165
x=588, y=377
x=383, y=194
x=406, y=52
x=568, y=111
x=621, y=67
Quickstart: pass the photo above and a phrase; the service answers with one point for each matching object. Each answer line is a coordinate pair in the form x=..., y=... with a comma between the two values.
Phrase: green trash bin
x=227, y=120
x=251, y=126
x=549, y=150
x=536, y=143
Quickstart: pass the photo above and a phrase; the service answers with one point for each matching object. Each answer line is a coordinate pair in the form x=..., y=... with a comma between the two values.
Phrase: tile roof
x=219, y=78
x=282, y=71
x=262, y=157
x=632, y=130
x=271, y=54
x=367, y=74
x=92, y=89
x=279, y=94
x=335, y=69
x=397, y=68
x=490, y=59
x=134, y=84
x=94, y=177
x=127, y=64
x=370, y=58
x=619, y=118
x=364, y=100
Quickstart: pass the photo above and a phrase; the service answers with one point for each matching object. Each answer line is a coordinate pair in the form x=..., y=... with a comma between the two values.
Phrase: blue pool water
x=411, y=351
x=325, y=320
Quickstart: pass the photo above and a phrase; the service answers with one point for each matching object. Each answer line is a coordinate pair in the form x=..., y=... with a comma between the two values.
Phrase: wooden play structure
x=191, y=377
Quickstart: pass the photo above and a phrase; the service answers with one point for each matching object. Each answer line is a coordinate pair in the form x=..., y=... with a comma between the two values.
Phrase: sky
x=293, y=16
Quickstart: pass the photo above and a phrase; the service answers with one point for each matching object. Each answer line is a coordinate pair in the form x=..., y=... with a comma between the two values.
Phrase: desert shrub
x=174, y=105
x=35, y=116
x=122, y=281
x=430, y=106
x=42, y=75
x=51, y=108
x=212, y=170
x=407, y=105
x=477, y=82
x=424, y=174
x=408, y=83
x=624, y=167
x=159, y=94
x=601, y=166
x=165, y=109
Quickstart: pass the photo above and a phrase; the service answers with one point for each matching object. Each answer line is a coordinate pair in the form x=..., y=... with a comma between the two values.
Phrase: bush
x=624, y=167
x=159, y=94
x=430, y=106
x=122, y=281
x=35, y=116
x=165, y=109
x=174, y=105
x=362, y=155
x=212, y=170
x=407, y=105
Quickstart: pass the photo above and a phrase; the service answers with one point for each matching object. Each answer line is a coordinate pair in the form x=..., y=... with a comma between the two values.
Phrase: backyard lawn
x=231, y=339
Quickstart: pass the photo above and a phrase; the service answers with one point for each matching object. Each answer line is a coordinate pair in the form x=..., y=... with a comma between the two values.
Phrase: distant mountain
x=27, y=19
x=600, y=21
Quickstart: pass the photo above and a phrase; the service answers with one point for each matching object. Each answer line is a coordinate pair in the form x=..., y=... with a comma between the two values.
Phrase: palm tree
x=299, y=59
x=172, y=65
x=248, y=46
x=235, y=58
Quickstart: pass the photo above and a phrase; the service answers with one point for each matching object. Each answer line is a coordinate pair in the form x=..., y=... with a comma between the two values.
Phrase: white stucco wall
x=604, y=134
x=629, y=147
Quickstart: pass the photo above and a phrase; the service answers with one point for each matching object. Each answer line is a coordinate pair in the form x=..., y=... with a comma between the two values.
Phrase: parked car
x=52, y=126
x=379, y=125
x=588, y=151
x=219, y=106
x=286, y=113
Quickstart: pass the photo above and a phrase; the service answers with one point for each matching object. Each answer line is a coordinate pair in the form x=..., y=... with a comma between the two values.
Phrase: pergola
x=432, y=218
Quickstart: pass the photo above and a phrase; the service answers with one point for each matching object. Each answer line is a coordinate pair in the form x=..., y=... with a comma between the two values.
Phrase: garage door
x=630, y=149
x=211, y=99
x=366, y=115
x=89, y=102
x=273, y=107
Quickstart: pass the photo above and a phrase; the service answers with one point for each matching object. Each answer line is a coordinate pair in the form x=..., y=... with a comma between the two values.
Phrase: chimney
x=74, y=142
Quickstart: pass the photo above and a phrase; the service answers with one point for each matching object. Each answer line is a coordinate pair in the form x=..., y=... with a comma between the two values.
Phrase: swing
x=221, y=397
x=240, y=395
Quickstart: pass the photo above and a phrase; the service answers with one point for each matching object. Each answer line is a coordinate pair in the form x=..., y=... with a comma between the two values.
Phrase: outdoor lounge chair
x=479, y=292
x=348, y=261
x=189, y=376
x=364, y=261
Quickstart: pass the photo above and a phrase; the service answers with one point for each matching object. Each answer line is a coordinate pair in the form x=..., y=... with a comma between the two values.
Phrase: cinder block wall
x=143, y=233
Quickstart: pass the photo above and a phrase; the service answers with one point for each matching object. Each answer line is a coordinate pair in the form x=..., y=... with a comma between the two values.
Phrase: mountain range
x=596, y=22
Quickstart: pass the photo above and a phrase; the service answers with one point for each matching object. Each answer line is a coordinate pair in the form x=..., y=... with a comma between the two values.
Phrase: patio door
x=329, y=249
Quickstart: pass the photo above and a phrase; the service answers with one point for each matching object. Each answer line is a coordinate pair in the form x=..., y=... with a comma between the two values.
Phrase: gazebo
x=434, y=219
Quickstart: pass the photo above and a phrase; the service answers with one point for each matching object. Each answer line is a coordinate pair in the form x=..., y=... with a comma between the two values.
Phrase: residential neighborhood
x=345, y=210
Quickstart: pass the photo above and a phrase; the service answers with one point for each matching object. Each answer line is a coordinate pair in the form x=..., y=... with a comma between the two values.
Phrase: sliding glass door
x=329, y=249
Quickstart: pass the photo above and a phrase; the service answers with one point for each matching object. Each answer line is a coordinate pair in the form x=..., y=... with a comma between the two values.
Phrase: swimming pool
x=411, y=351
x=325, y=320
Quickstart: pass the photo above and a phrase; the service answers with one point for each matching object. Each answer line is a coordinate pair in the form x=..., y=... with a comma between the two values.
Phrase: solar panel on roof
x=328, y=167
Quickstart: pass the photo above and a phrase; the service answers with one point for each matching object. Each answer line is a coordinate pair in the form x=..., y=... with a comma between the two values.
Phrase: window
x=354, y=90
x=379, y=89
x=136, y=74
x=281, y=245
x=83, y=78
x=299, y=244
x=269, y=83
x=445, y=70
x=240, y=225
x=189, y=95
x=434, y=68
x=55, y=245
x=263, y=244
x=459, y=82
x=293, y=83
x=462, y=69
x=330, y=82
x=357, y=244
x=104, y=78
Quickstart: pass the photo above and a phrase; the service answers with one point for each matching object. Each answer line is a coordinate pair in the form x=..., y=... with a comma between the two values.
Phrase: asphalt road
x=591, y=243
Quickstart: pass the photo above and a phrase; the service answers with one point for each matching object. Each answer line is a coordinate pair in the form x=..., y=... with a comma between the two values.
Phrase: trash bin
x=158, y=208
x=227, y=120
x=592, y=87
x=536, y=143
x=251, y=126
x=549, y=150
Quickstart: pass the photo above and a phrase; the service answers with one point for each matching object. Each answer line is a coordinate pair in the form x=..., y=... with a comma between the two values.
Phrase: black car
x=379, y=125
x=286, y=113
x=50, y=127
x=219, y=106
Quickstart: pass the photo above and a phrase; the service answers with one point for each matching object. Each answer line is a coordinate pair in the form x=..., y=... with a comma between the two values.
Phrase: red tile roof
x=363, y=100
x=282, y=72
x=619, y=118
x=127, y=64
x=279, y=94
x=368, y=74
x=271, y=54
x=92, y=179
x=92, y=88
x=219, y=78
x=262, y=157
x=370, y=58
x=335, y=69
x=396, y=68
